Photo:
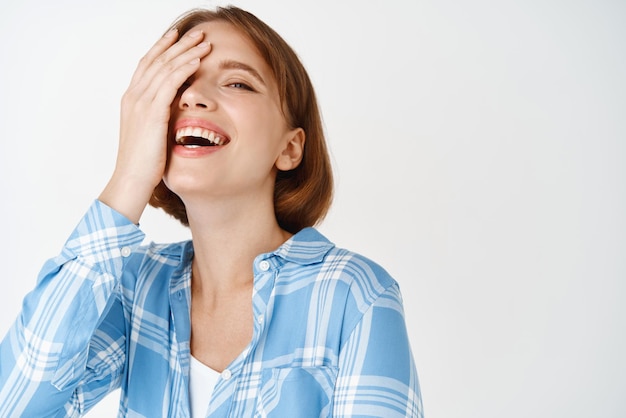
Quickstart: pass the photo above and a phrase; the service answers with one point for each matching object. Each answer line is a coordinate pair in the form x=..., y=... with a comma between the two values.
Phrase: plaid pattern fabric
x=329, y=334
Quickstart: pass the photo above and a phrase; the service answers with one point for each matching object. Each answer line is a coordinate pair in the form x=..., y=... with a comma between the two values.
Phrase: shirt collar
x=308, y=246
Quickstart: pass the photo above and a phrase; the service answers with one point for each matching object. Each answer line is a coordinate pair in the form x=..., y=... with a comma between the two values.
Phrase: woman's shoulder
x=337, y=280
x=334, y=263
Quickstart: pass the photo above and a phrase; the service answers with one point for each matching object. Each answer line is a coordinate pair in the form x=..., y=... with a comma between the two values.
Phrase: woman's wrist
x=126, y=195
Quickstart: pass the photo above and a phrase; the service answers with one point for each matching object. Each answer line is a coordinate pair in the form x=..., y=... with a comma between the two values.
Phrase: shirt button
x=264, y=265
x=226, y=374
x=260, y=319
x=125, y=251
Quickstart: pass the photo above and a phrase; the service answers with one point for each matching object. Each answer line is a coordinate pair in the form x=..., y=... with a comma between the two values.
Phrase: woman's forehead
x=231, y=48
x=226, y=38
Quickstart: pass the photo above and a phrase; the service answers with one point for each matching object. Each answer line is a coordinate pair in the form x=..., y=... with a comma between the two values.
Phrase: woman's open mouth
x=194, y=137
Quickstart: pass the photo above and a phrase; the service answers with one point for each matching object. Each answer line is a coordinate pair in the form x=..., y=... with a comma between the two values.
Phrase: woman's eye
x=240, y=85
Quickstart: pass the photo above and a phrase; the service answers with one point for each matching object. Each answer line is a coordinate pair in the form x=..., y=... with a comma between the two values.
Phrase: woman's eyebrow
x=236, y=65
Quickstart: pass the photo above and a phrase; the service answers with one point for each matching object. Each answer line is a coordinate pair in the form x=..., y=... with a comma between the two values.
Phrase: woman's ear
x=291, y=155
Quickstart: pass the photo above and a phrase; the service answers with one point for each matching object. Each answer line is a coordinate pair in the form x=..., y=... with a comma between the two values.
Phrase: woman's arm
x=65, y=351
x=377, y=375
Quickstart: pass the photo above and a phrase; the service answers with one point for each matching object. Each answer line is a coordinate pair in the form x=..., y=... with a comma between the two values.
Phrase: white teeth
x=200, y=133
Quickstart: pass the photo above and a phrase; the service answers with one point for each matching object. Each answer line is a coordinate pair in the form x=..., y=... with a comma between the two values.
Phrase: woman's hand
x=145, y=116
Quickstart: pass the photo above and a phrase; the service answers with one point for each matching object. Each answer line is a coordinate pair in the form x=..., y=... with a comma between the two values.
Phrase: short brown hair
x=302, y=196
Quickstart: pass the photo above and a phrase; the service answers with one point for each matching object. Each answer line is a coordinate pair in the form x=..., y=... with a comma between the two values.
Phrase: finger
x=157, y=49
x=167, y=81
x=158, y=57
x=146, y=88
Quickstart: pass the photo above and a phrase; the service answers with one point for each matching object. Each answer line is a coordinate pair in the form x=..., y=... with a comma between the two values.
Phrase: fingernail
x=194, y=61
x=195, y=34
x=171, y=33
x=203, y=44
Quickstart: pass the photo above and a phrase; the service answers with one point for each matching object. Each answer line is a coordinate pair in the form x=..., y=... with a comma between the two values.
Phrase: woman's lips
x=196, y=136
x=200, y=128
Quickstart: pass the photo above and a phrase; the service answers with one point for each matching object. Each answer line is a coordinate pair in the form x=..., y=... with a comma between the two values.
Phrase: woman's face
x=228, y=133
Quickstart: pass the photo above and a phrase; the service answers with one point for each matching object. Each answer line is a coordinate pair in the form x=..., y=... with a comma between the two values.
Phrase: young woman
x=257, y=315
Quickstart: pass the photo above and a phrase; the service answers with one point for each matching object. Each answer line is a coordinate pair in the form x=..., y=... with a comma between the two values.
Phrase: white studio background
x=480, y=152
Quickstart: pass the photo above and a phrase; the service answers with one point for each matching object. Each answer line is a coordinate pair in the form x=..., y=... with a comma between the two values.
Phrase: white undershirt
x=202, y=380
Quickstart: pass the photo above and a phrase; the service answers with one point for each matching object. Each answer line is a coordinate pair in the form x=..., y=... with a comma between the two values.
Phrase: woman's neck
x=227, y=236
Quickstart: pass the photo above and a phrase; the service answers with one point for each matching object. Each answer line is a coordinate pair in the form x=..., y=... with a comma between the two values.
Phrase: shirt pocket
x=297, y=392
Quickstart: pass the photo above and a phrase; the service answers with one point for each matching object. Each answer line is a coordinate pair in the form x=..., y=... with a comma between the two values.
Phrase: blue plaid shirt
x=329, y=333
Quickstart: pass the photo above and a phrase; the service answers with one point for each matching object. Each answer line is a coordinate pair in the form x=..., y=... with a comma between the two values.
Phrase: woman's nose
x=193, y=97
